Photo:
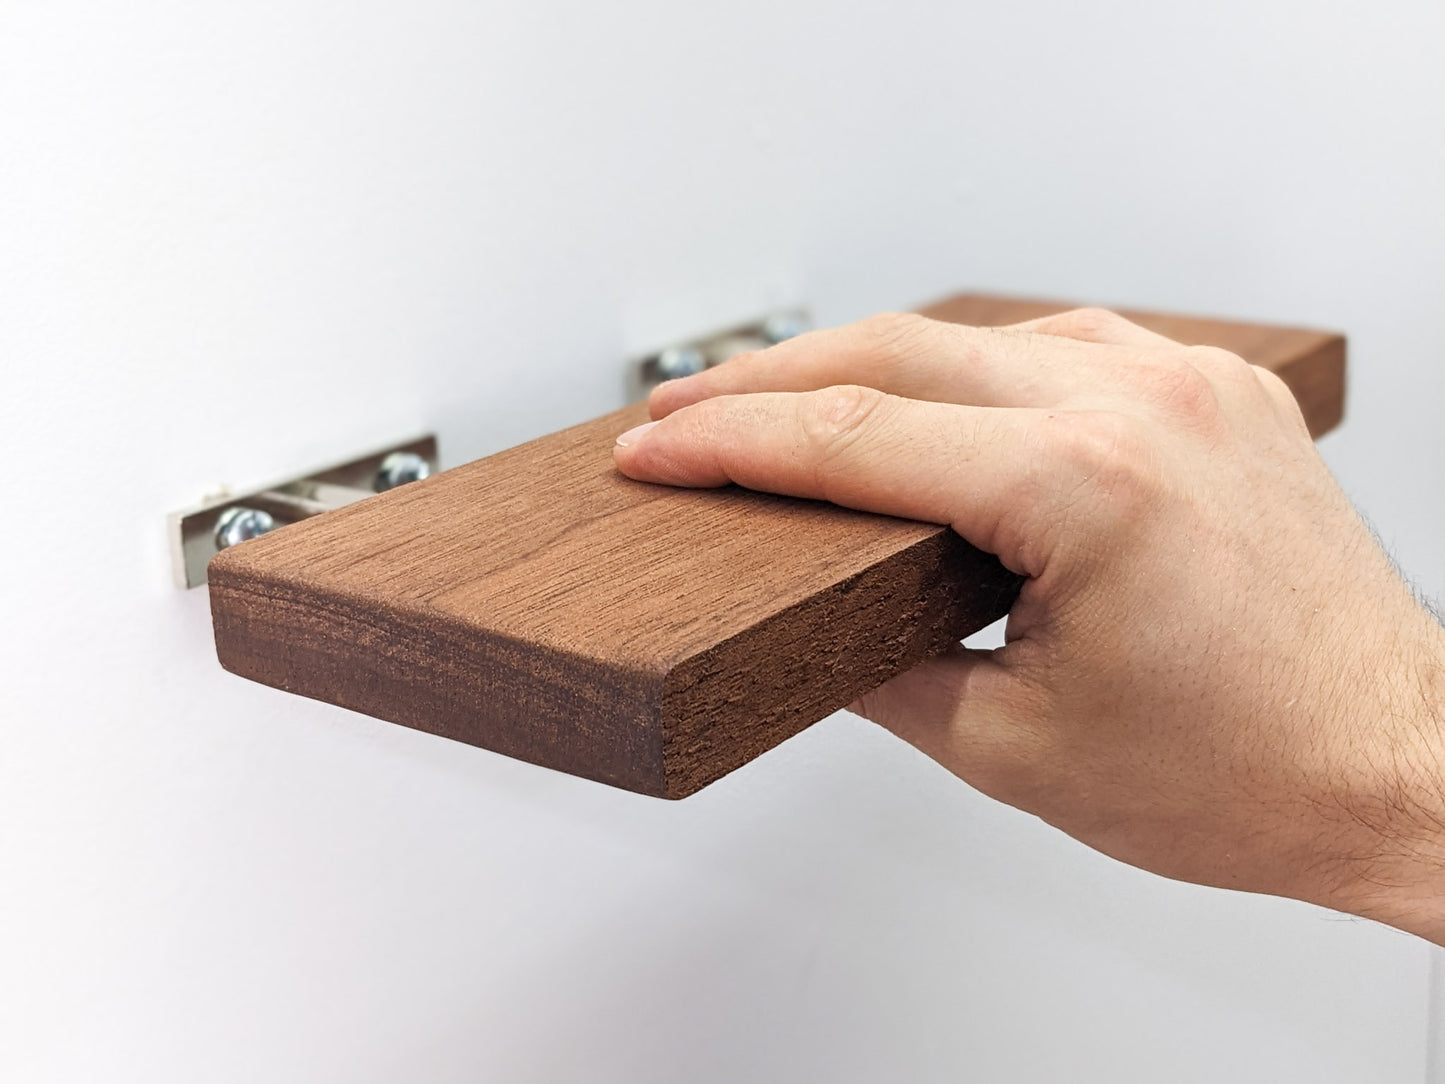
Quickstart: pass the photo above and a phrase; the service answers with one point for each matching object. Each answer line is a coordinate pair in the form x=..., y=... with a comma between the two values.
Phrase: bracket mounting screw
x=678, y=361
x=240, y=524
x=784, y=325
x=399, y=468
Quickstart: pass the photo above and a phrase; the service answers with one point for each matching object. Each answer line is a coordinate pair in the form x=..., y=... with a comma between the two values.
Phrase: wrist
x=1387, y=798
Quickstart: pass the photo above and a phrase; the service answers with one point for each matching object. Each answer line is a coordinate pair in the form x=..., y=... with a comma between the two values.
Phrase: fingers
x=996, y=476
x=1082, y=360
x=913, y=357
x=1097, y=326
x=1178, y=374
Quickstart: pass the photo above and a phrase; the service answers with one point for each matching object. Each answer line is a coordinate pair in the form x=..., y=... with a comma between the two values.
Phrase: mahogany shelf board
x=539, y=604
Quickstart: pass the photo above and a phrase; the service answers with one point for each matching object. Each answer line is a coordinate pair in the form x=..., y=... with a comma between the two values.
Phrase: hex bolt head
x=784, y=325
x=677, y=361
x=240, y=524
x=398, y=469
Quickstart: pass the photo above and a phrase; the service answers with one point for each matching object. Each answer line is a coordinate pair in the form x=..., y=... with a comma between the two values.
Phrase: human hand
x=1212, y=671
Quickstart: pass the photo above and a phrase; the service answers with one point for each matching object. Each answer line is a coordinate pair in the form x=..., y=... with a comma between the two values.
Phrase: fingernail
x=632, y=436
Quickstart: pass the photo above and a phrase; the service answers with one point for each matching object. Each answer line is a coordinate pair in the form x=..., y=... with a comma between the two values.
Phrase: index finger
x=991, y=474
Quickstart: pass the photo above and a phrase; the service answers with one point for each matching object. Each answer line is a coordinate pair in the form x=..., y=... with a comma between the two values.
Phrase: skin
x=1213, y=671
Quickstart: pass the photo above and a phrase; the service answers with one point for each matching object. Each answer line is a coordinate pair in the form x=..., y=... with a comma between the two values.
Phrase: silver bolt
x=678, y=361
x=399, y=468
x=784, y=325
x=240, y=524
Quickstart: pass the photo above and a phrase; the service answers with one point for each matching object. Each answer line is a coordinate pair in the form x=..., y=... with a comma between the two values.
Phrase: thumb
x=969, y=712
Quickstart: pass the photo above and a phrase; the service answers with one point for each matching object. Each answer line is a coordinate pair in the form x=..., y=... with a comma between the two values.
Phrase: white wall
x=238, y=239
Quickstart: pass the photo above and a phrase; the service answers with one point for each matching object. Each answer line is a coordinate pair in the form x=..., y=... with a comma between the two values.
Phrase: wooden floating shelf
x=539, y=604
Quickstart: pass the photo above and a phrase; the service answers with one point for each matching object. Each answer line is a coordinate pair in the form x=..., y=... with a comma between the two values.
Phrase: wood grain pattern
x=539, y=604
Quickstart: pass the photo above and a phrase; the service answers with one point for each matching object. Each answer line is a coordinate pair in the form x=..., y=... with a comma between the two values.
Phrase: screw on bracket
x=240, y=525
x=686, y=358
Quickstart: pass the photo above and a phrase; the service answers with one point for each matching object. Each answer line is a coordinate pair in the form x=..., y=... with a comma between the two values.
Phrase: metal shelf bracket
x=229, y=518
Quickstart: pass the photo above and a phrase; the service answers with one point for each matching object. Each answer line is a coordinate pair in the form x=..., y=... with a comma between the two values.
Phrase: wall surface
x=239, y=239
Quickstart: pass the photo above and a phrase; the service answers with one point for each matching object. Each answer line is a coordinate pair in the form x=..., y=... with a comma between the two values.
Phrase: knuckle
x=1280, y=394
x=1095, y=441
x=1086, y=323
x=895, y=332
x=839, y=411
x=834, y=418
x=1183, y=392
x=1275, y=387
x=1216, y=361
x=1272, y=382
x=1109, y=459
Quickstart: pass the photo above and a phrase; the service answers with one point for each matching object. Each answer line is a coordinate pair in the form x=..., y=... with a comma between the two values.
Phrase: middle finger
x=918, y=358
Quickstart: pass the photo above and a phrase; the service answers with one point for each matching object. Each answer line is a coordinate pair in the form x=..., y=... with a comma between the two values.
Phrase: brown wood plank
x=539, y=604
